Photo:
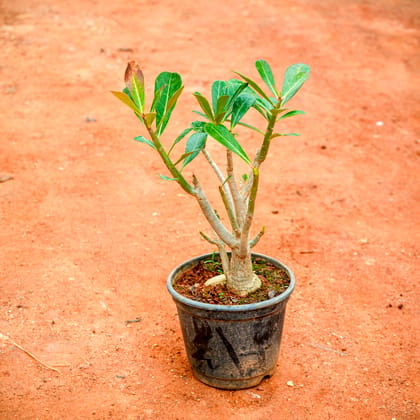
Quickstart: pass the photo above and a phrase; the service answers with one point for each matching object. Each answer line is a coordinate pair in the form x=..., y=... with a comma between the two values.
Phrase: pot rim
x=229, y=308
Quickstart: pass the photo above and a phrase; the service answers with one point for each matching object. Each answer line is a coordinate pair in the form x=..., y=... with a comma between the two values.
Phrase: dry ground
x=89, y=232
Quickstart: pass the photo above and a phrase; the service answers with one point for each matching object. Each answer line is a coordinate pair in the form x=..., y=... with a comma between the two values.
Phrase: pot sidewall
x=231, y=346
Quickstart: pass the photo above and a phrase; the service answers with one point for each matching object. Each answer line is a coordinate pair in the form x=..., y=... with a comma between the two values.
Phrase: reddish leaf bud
x=133, y=69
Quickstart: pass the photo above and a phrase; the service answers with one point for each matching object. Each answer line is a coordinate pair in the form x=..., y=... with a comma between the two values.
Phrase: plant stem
x=242, y=279
x=262, y=154
x=223, y=255
x=212, y=217
x=168, y=162
x=224, y=190
x=233, y=187
x=251, y=188
x=257, y=237
x=229, y=211
x=195, y=191
x=245, y=246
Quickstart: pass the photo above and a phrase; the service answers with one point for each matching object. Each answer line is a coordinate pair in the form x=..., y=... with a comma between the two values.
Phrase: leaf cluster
x=230, y=101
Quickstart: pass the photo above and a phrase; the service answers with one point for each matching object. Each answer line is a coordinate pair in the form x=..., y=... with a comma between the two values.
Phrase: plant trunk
x=241, y=279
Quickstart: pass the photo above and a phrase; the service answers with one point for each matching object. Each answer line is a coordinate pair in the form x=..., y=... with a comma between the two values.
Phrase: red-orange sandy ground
x=88, y=231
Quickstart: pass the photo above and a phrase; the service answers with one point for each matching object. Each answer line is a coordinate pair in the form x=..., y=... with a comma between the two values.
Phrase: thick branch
x=218, y=172
x=211, y=216
x=229, y=211
x=249, y=214
x=224, y=191
x=233, y=187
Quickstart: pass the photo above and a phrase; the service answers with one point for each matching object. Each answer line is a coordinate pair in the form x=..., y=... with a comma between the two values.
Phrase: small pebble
x=254, y=395
x=271, y=294
x=5, y=177
x=9, y=90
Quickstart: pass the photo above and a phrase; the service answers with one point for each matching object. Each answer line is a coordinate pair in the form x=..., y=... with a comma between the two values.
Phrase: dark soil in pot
x=191, y=283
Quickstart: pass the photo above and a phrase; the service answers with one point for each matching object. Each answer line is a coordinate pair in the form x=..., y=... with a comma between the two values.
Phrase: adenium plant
x=231, y=101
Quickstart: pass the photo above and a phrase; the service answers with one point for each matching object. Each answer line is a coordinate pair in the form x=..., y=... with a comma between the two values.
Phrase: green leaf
x=267, y=75
x=221, y=134
x=233, y=85
x=290, y=114
x=171, y=83
x=264, y=104
x=261, y=104
x=137, y=92
x=274, y=135
x=251, y=127
x=134, y=81
x=235, y=88
x=182, y=157
x=157, y=95
x=205, y=106
x=142, y=139
x=218, y=88
x=194, y=146
x=123, y=97
x=220, y=107
x=149, y=118
x=167, y=178
x=198, y=126
x=127, y=92
x=266, y=115
x=179, y=138
x=174, y=98
x=201, y=114
x=294, y=77
x=254, y=86
x=241, y=106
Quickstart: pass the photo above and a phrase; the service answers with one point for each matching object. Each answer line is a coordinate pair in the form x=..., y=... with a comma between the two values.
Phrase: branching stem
x=233, y=187
x=262, y=153
x=244, y=249
x=196, y=191
x=229, y=211
x=257, y=238
x=212, y=217
x=224, y=190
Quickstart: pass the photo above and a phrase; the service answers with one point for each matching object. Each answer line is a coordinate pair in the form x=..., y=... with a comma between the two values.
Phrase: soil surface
x=192, y=283
x=89, y=232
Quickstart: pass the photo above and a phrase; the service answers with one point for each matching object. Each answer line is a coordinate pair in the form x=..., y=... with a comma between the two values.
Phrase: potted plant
x=232, y=324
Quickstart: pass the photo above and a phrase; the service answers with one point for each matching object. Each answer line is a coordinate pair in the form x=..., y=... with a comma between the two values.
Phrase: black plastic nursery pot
x=231, y=346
